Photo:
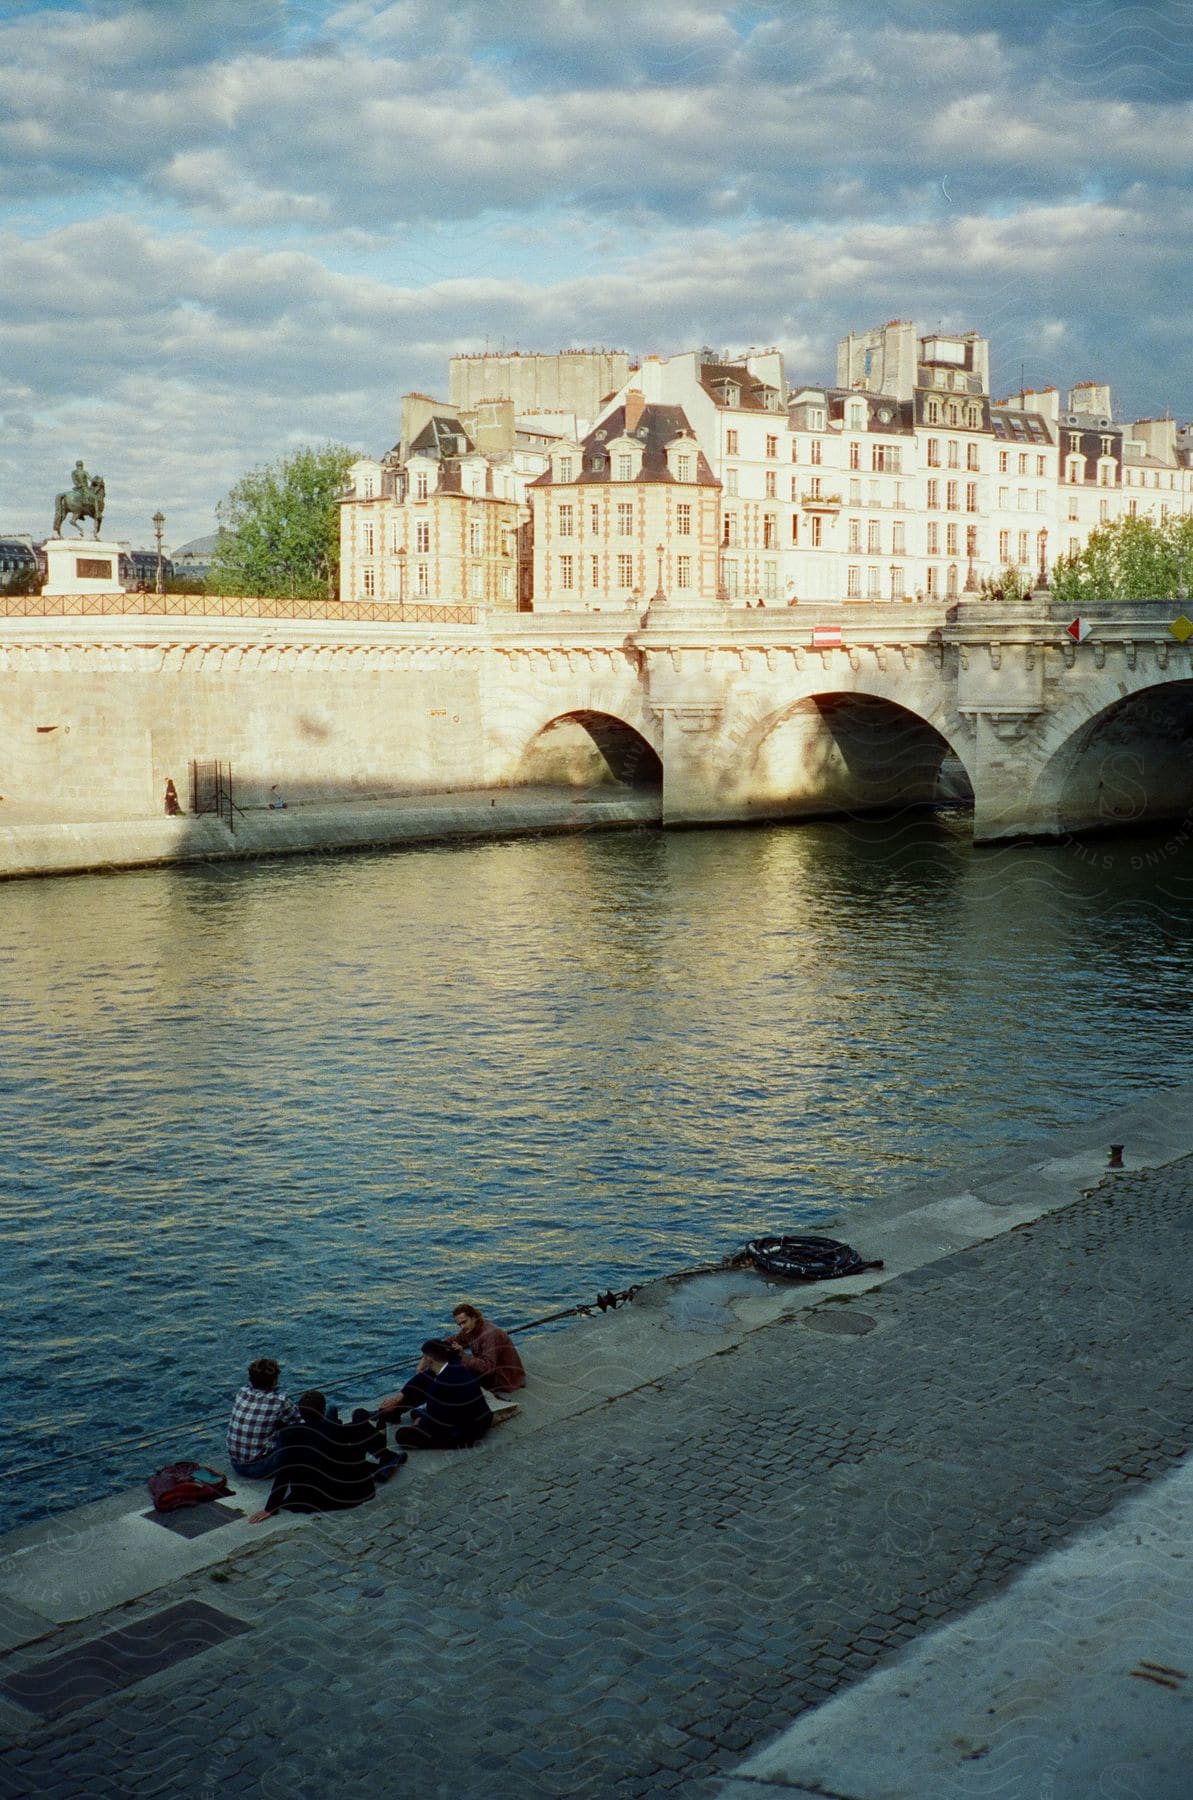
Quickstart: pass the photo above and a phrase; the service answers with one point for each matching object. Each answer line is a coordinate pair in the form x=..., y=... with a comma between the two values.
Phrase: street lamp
x=159, y=520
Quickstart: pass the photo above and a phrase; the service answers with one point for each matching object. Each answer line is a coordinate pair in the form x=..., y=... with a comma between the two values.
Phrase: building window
x=873, y=529
x=933, y=538
x=625, y=571
x=422, y=535
x=625, y=518
x=951, y=541
x=769, y=532
x=971, y=496
x=770, y=484
x=567, y=571
x=370, y=583
x=683, y=571
x=953, y=496
x=731, y=443
x=566, y=518
x=853, y=586
x=816, y=524
x=625, y=468
x=772, y=446
x=683, y=520
x=422, y=579
x=1004, y=547
x=934, y=493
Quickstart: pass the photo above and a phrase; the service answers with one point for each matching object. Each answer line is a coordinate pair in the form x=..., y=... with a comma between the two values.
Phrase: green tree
x=280, y=528
x=1133, y=559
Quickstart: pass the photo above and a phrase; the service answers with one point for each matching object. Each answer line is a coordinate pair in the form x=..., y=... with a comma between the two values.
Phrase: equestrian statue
x=84, y=499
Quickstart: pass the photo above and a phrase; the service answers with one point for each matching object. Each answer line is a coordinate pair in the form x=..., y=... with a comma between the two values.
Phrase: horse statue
x=84, y=499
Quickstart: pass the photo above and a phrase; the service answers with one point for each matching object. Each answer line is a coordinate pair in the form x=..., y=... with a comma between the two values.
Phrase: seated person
x=325, y=1466
x=487, y=1350
x=258, y=1413
x=453, y=1412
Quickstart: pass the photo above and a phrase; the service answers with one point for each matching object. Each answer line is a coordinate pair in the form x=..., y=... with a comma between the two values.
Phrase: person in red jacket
x=487, y=1350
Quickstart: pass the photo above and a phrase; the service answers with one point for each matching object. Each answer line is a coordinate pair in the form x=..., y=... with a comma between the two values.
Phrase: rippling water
x=299, y=1108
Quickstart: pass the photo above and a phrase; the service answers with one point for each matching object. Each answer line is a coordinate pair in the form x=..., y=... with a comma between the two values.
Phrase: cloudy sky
x=232, y=227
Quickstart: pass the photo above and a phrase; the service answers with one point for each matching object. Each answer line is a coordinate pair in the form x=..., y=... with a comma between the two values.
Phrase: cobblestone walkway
x=623, y=1604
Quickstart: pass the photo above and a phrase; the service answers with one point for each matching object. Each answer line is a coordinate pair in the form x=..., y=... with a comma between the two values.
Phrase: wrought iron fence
x=225, y=606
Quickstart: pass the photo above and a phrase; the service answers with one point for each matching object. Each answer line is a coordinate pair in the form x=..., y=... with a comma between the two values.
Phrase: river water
x=300, y=1108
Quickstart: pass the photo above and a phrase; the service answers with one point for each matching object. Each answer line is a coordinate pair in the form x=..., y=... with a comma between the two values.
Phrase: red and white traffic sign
x=1078, y=631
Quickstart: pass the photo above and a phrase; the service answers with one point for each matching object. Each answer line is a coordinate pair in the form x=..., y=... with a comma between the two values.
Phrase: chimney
x=635, y=406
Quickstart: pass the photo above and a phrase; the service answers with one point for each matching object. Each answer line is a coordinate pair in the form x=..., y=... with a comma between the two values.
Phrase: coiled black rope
x=805, y=1258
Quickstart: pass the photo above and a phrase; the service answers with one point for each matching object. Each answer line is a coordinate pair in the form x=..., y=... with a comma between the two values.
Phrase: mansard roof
x=751, y=389
x=442, y=436
x=656, y=427
x=1016, y=427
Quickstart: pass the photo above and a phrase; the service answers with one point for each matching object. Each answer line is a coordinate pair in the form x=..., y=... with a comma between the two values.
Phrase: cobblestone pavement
x=622, y=1604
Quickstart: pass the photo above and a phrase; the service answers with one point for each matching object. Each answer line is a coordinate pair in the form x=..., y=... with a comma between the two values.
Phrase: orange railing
x=224, y=606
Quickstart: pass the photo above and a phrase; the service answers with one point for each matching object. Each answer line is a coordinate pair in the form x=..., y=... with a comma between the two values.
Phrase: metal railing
x=224, y=606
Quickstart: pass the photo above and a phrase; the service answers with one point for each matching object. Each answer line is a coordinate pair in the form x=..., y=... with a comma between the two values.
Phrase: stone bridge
x=732, y=714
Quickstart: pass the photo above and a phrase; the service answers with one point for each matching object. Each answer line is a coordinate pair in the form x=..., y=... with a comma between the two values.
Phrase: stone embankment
x=41, y=847
x=719, y=1507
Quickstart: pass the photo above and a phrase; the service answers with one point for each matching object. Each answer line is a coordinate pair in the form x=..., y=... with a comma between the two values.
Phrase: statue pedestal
x=82, y=566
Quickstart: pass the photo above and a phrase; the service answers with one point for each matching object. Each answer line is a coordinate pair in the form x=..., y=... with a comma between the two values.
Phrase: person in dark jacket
x=453, y=1412
x=326, y=1466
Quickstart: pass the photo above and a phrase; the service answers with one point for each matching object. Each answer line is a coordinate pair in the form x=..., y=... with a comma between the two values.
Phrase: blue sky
x=231, y=227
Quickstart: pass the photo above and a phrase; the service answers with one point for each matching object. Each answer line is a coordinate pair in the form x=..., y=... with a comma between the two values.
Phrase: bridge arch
x=848, y=750
x=586, y=747
x=1130, y=763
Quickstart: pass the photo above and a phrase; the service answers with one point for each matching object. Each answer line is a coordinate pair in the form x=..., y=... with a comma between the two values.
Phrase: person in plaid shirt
x=258, y=1412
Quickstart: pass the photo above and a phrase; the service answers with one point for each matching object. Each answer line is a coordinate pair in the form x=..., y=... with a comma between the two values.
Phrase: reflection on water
x=300, y=1108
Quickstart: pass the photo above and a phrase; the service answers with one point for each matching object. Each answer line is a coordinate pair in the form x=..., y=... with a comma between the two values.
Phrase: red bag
x=186, y=1484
